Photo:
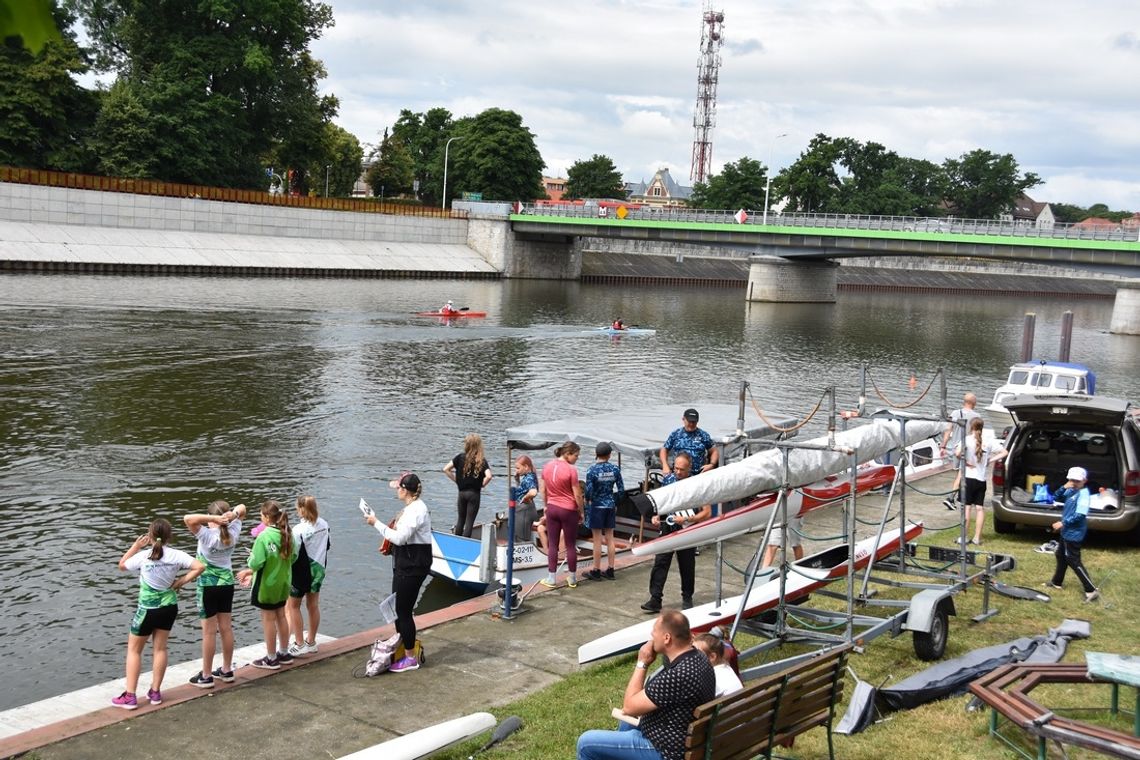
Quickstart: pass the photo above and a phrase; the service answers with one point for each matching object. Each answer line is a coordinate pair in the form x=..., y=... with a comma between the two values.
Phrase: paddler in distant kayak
x=617, y=325
x=448, y=309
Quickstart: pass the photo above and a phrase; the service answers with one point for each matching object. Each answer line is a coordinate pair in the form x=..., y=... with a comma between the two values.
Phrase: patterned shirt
x=156, y=576
x=527, y=481
x=682, y=686
x=217, y=556
x=696, y=444
x=601, y=480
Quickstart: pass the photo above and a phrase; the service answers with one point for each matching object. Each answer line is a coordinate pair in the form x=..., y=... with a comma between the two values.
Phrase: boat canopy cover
x=1090, y=376
x=639, y=432
x=952, y=677
x=765, y=471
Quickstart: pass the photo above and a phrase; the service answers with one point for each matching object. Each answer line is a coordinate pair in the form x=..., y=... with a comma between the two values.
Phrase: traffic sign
x=741, y=216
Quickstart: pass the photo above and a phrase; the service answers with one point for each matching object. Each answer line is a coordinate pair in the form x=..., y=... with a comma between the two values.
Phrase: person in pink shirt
x=561, y=493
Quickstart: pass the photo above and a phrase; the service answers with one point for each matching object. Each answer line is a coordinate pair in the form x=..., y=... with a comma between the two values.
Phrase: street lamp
x=446, y=147
x=768, y=171
x=327, y=167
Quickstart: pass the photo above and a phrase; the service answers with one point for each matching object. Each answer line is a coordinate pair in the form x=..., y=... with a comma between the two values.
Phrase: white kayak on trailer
x=765, y=471
x=811, y=573
x=427, y=741
x=757, y=512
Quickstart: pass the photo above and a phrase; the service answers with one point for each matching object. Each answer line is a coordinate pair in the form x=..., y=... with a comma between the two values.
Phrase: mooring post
x=1066, y=336
x=1027, y=337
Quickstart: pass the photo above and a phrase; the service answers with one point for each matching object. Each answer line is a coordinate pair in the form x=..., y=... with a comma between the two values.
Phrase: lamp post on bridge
x=768, y=172
x=446, y=148
x=327, y=167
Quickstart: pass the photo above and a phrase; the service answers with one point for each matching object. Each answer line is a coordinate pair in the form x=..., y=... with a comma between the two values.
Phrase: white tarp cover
x=765, y=471
x=639, y=433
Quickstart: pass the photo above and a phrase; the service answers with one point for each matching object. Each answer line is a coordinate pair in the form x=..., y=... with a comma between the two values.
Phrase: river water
x=125, y=399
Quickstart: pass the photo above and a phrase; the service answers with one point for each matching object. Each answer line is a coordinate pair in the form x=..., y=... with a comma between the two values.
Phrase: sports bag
x=380, y=658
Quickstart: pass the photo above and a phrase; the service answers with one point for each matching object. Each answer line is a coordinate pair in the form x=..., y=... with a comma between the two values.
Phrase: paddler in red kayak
x=448, y=309
x=617, y=325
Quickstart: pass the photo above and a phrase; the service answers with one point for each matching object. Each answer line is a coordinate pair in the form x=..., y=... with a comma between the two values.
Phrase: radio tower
x=708, y=68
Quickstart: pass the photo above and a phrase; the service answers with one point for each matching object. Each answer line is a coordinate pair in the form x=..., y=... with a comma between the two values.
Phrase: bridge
x=821, y=237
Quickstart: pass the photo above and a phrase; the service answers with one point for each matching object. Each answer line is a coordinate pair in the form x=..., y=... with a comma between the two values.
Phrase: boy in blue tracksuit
x=1073, y=526
x=604, y=487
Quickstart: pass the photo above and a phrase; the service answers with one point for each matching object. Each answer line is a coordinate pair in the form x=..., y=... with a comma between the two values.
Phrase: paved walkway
x=475, y=661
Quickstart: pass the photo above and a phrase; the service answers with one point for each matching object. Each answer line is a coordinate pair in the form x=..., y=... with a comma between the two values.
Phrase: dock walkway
x=317, y=708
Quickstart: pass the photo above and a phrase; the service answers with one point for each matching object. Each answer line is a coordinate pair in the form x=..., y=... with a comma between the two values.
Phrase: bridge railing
x=991, y=227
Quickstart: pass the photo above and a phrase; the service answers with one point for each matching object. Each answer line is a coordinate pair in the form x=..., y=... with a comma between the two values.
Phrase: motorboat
x=478, y=562
x=1044, y=378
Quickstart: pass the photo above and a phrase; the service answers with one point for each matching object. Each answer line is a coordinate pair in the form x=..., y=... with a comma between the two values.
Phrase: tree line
x=217, y=93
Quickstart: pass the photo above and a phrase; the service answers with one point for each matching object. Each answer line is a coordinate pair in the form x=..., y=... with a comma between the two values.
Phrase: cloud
x=926, y=79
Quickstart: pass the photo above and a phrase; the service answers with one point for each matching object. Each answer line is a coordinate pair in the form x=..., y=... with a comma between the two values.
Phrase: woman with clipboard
x=410, y=541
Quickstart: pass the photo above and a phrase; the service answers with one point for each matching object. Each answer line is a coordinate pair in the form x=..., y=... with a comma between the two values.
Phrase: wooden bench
x=1006, y=691
x=770, y=711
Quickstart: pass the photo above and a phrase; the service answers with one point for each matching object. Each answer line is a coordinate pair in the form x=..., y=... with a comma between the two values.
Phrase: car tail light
x=999, y=475
x=1131, y=484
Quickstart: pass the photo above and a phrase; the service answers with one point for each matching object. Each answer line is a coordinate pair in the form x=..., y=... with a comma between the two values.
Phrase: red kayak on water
x=451, y=314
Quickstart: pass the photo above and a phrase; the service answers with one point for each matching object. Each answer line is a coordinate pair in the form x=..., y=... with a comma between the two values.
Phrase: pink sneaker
x=155, y=696
x=404, y=664
x=126, y=700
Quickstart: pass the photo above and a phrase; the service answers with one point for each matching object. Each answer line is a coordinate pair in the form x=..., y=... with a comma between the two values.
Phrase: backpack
x=380, y=658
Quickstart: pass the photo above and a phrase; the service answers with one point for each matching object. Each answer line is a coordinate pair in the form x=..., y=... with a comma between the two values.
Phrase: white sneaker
x=302, y=649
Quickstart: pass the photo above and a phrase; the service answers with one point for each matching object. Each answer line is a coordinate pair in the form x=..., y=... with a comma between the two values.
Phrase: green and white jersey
x=157, y=575
x=315, y=537
x=272, y=572
x=216, y=556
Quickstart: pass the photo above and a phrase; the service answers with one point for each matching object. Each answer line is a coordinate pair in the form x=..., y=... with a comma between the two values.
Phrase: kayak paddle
x=502, y=731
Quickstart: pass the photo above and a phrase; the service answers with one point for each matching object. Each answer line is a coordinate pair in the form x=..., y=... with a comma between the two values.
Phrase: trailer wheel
x=931, y=646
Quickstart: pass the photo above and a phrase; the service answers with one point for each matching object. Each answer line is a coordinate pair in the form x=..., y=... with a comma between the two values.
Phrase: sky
x=1050, y=81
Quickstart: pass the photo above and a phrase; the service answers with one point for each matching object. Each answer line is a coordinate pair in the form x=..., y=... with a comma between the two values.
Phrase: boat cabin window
x=1066, y=383
x=1018, y=377
x=1044, y=380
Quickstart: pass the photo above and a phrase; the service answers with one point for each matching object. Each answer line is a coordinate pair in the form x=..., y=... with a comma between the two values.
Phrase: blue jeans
x=626, y=743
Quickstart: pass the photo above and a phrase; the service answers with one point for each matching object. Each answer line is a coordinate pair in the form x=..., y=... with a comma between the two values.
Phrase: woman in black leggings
x=410, y=540
x=471, y=474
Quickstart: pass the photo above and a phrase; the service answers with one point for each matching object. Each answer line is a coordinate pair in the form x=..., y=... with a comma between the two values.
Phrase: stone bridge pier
x=1126, y=312
x=776, y=279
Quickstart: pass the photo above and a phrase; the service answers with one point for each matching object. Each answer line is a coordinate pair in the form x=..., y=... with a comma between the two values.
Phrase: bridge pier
x=777, y=280
x=1126, y=312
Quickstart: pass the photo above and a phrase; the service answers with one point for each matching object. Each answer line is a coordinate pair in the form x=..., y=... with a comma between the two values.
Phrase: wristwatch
x=642, y=665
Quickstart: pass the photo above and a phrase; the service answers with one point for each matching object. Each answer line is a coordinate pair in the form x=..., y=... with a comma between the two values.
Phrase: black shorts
x=214, y=599
x=147, y=621
x=975, y=493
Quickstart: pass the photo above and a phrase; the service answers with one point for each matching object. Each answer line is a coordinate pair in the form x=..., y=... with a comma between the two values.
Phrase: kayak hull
x=452, y=315
x=812, y=572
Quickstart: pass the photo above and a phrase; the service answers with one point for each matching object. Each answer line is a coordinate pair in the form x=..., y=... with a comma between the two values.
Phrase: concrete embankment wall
x=51, y=228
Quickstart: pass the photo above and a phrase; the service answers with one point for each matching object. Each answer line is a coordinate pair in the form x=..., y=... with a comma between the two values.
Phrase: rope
x=892, y=404
x=805, y=624
x=776, y=427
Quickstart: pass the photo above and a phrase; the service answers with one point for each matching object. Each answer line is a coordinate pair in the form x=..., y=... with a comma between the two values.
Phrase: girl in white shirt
x=727, y=682
x=980, y=453
x=157, y=608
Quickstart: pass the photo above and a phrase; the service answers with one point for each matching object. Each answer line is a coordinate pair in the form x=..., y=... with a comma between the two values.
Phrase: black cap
x=603, y=449
x=691, y=415
x=409, y=482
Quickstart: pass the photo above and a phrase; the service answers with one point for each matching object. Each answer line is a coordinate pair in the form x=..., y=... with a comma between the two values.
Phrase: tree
x=497, y=157
x=811, y=183
x=424, y=135
x=342, y=158
x=45, y=116
x=209, y=92
x=597, y=177
x=739, y=185
x=393, y=171
x=984, y=185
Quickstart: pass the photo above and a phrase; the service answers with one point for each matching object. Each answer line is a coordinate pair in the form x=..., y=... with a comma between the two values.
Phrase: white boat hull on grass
x=427, y=741
x=812, y=573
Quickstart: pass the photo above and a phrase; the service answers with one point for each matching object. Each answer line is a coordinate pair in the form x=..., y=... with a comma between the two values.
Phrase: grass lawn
x=555, y=717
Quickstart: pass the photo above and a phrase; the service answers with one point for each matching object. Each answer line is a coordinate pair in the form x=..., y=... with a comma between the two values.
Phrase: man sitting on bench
x=664, y=705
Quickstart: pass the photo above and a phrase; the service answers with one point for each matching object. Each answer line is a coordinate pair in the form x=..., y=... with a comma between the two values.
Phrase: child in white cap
x=1073, y=526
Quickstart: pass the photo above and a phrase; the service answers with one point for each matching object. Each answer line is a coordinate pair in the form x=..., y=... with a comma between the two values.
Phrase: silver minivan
x=1052, y=434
